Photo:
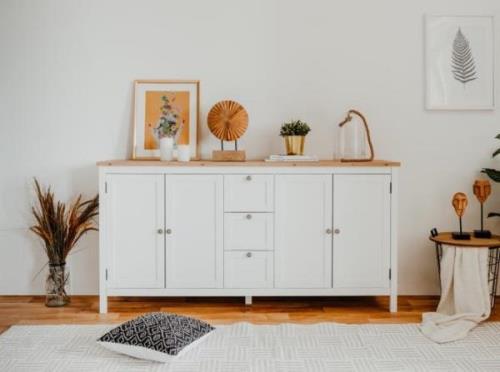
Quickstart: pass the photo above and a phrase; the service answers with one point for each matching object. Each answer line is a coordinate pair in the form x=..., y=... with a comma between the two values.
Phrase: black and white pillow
x=156, y=336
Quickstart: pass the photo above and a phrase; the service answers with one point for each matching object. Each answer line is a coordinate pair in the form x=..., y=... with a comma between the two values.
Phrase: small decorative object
x=353, y=139
x=228, y=121
x=459, y=63
x=156, y=336
x=482, y=189
x=60, y=226
x=183, y=153
x=163, y=109
x=459, y=202
x=294, y=134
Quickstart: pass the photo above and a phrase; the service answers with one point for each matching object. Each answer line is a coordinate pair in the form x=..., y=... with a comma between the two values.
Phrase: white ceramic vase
x=166, y=148
x=183, y=153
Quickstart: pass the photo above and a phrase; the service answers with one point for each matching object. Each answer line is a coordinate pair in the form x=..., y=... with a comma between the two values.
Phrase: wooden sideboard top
x=249, y=163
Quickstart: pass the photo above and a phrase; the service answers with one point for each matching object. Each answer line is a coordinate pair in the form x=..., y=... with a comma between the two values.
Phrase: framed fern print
x=459, y=59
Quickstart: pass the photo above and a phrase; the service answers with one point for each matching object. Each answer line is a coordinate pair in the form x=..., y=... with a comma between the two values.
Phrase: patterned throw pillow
x=156, y=336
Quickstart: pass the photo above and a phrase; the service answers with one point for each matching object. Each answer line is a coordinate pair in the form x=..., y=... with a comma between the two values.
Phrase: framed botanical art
x=459, y=58
x=157, y=102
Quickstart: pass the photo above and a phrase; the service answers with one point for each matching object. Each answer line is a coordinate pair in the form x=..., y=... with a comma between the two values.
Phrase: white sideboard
x=247, y=229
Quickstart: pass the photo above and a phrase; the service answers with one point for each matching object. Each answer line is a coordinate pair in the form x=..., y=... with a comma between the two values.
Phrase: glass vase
x=56, y=285
x=352, y=141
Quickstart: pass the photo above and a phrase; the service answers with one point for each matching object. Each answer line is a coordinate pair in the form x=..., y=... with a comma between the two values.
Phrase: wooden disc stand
x=228, y=155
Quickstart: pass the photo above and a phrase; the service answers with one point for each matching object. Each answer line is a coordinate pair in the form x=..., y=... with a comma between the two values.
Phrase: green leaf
x=495, y=153
x=492, y=173
x=497, y=136
x=493, y=214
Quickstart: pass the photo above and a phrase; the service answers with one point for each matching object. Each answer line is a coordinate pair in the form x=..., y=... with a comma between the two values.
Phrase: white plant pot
x=166, y=148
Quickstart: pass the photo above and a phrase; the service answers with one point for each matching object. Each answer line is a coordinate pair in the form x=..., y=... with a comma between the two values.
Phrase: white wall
x=66, y=72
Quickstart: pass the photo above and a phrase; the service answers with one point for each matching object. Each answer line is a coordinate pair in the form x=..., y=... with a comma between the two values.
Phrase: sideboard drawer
x=248, y=269
x=248, y=231
x=248, y=193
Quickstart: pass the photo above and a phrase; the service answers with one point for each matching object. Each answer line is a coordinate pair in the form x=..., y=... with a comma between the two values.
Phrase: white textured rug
x=260, y=348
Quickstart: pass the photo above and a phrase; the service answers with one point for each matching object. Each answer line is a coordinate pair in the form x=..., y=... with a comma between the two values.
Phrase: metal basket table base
x=493, y=267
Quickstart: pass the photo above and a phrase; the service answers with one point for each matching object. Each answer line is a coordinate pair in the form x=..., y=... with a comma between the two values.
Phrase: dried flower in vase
x=169, y=122
x=60, y=226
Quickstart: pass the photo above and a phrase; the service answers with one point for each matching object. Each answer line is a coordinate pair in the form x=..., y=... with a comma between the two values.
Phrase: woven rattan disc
x=227, y=120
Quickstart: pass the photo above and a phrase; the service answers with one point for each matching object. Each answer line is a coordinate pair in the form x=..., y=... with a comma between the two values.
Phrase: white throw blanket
x=465, y=299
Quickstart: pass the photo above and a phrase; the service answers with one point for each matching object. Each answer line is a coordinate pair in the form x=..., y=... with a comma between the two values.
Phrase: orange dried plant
x=60, y=226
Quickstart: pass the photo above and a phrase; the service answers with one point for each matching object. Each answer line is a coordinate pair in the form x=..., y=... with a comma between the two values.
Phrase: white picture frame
x=459, y=62
x=147, y=103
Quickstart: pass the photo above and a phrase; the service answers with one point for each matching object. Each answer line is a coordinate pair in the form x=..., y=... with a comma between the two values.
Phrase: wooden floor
x=84, y=310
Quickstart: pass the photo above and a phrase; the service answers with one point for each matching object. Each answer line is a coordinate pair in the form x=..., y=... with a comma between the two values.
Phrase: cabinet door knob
x=328, y=231
x=249, y=178
x=159, y=231
x=249, y=216
x=169, y=231
x=249, y=254
x=337, y=231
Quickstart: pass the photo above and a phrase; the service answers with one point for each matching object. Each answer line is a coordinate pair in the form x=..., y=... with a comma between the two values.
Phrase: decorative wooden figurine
x=227, y=121
x=482, y=189
x=460, y=202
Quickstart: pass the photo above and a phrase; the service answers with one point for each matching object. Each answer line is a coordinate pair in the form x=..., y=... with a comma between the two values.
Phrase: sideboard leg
x=393, y=303
x=248, y=300
x=103, y=304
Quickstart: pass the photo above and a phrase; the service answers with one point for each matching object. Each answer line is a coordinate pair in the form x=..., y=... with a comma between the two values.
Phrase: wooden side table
x=493, y=244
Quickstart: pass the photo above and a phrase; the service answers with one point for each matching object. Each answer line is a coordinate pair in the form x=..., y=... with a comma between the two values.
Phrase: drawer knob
x=328, y=231
x=160, y=231
x=337, y=231
x=249, y=254
x=249, y=216
x=169, y=231
x=249, y=178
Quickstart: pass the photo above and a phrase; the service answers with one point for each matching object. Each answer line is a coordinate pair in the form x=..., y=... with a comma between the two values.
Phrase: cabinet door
x=135, y=222
x=193, y=222
x=303, y=214
x=361, y=247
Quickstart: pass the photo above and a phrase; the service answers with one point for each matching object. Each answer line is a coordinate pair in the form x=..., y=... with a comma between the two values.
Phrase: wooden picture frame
x=184, y=97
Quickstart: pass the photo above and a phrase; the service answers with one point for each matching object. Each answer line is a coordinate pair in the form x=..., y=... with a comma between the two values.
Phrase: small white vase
x=183, y=153
x=166, y=148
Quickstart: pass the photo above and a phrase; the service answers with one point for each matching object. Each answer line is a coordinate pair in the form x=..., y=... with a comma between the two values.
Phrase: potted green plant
x=60, y=226
x=294, y=133
x=494, y=174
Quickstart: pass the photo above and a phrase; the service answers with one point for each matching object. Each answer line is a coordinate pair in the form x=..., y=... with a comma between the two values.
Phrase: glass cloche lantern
x=355, y=144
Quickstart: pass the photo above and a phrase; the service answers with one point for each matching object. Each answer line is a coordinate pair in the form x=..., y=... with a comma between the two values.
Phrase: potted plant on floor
x=60, y=226
x=294, y=134
x=494, y=174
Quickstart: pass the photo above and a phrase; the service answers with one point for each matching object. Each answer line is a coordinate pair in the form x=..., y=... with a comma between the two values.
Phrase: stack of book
x=292, y=158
